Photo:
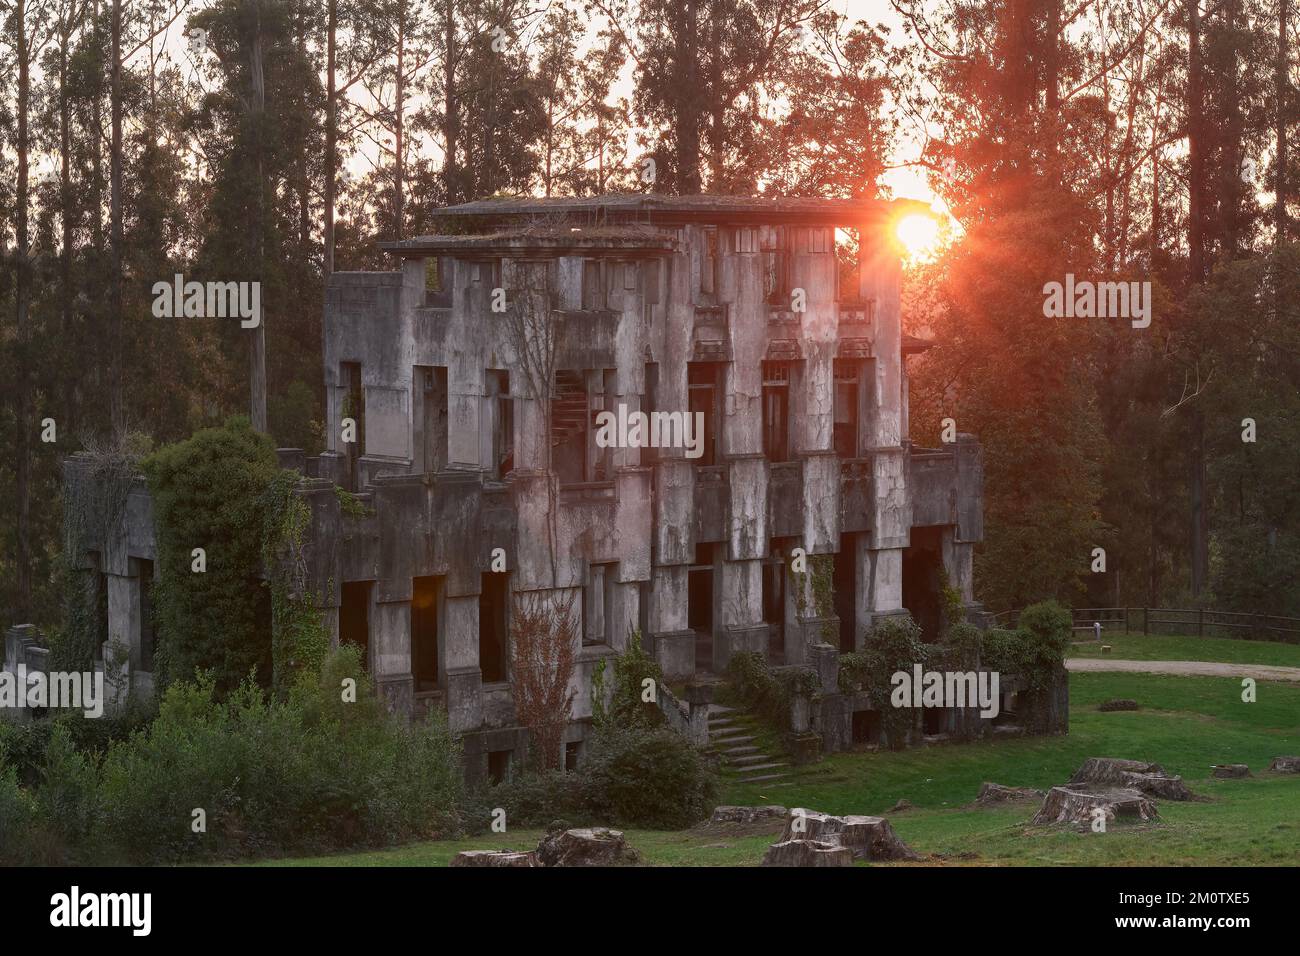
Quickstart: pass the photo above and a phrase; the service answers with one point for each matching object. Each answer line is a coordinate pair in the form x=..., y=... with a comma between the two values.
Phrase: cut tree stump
x=1285, y=765
x=495, y=858
x=1111, y=772
x=593, y=846
x=807, y=853
x=1230, y=770
x=1075, y=805
x=868, y=838
x=992, y=794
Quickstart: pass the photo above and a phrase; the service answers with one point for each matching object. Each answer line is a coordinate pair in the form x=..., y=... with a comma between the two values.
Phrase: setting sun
x=919, y=235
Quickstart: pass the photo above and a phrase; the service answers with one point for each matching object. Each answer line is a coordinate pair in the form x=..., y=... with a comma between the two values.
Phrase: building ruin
x=471, y=379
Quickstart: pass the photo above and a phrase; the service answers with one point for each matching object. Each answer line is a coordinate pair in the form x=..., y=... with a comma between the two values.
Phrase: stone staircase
x=733, y=735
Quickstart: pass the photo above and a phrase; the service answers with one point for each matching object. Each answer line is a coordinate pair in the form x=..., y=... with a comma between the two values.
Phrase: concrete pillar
x=460, y=652
x=390, y=655
x=741, y=627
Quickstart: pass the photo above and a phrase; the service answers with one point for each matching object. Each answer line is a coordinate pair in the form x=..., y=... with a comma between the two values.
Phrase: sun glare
x=919, y=235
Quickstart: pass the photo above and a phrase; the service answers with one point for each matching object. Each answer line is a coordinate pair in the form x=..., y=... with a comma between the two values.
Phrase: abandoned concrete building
x=471, y=380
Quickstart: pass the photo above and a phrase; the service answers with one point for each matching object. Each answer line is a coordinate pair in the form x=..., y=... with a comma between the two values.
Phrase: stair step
x=720, y=723
x=734, y=740
x=763, y=766
x=749, y=759
x=764, y=778
x=739, y=751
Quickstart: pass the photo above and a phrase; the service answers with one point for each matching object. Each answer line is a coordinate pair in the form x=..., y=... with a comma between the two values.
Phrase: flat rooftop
x=655, y=209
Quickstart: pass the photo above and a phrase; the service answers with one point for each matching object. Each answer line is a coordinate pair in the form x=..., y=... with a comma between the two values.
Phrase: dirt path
x=1185, y=668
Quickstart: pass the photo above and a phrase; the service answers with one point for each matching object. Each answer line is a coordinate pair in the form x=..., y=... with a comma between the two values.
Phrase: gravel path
x=1185, y=668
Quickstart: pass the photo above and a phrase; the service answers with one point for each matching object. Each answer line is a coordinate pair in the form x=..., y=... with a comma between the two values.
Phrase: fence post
x=1200, y=622
x=1146, y=621
x=1126, y=619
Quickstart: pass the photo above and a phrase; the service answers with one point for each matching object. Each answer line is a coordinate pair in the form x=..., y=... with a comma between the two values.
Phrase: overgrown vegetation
x=769, y=693
x=209, y=492
x=321, y=769
x=893, y=644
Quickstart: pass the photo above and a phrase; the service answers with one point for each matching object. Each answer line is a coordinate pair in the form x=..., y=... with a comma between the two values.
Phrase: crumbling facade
x=465, y=392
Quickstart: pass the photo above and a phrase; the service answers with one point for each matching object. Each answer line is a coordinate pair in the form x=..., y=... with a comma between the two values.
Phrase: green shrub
x=18, y=819
x=1050, y=622
x=308, y=773
x=531, y=800
x=652, y=779
x=893, y=644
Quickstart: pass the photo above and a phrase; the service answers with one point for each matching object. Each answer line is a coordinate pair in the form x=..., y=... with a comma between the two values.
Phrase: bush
x=311, y=773
x=766, y=692
x=18, y=819
x=1050, y=622
x=893, y=644
x=653, y=779
x=626, y=708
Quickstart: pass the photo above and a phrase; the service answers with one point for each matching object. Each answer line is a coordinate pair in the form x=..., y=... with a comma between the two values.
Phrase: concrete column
x=390, y=655
x=742, y=627
x=460, y=652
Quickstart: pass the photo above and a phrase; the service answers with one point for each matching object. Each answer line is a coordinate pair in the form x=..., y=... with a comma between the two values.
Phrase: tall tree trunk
x=399, y=198
x=686, y=53
x=22, y=294
x=450, y=108
x=331, y=129
x=117, y=402
x=1196, y=273
x=257, y=345
x=1282, y=90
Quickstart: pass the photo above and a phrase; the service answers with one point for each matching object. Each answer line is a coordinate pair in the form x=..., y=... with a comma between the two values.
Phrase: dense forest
x=278, y=141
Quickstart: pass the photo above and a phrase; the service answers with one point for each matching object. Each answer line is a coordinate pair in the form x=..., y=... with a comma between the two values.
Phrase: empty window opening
x=570, y=415
x=704, y=383
x=847, y=416
x=648, y=454
x=709, y=261
x=431, y=417
x=598, y=604
x=424, y=632
x=493, y=608
x=845, y=581
x=776, y=410
x=354, y=407
x=354, y=617
x=699, y=612
x=501, y=409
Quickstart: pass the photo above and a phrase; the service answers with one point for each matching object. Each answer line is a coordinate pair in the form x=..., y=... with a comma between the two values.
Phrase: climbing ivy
x=820, y=580
x=893, y=644
x=626, y=708
x=299, y=638
x=208, y=492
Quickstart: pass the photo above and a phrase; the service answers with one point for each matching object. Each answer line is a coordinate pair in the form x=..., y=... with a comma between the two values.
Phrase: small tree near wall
x=543, y=638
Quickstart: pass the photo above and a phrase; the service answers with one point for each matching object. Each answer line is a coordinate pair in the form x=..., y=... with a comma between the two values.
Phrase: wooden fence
x=1201, y=622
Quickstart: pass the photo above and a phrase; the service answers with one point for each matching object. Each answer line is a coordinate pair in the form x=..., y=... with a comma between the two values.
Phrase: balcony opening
x=498, y=766
x=354, y=407
x=570, y=418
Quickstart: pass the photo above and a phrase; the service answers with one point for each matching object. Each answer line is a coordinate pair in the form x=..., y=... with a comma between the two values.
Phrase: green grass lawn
x=1224, y=650
x=1186, y=723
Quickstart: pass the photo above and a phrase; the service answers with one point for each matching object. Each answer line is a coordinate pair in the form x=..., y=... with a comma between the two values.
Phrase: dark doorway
x=699, y=611
x=493, y=611
x=424, y=632
x=354, y=617
x=354, y=407
x=934, y=720
x=866, y=727
x=922, y=582
x=704, y=383
x=431, y=417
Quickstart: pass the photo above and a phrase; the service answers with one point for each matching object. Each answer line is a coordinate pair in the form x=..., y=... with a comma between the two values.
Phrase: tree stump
x=1074, y=805
x=807, y=853
x=992, y=794
x=747, y=815
x=1230, y=770
x=1149, y=778
x=594, y=846
x=1285, y=765
x=495, y=858
x=867, y=838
